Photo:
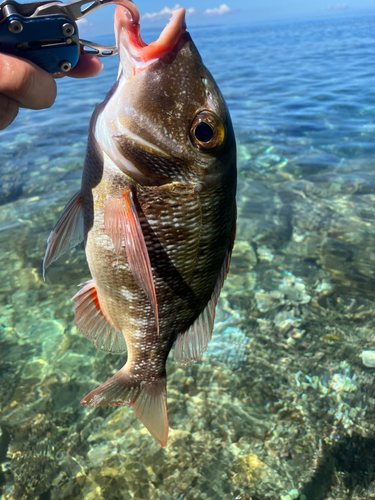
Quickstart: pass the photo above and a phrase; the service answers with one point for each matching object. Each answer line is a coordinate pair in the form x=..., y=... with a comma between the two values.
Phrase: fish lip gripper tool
x=46, y=32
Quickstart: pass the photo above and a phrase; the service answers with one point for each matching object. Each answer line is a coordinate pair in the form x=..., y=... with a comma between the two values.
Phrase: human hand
x=25, y=85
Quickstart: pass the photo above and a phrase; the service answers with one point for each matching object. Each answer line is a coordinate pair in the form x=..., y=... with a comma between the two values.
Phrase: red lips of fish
x=128, y=19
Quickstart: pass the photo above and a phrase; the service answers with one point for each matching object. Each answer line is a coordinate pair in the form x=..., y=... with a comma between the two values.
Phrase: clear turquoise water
x=281, y=401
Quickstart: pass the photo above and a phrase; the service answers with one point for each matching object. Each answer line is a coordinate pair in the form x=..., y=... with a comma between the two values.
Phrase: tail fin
x=149, y=401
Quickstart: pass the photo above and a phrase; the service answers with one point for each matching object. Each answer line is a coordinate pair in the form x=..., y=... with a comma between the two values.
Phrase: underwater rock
x=243, y=257
x=262, y=218
x=34, y=368
x=286, y=320
x=248, y=470
x=292, y=495
x=28, y=278
x=342, y=382
x=268, y=300
x=100, y=453
x=368, y=358
x=265, y=254
x=294, y=289
x=229, y=346
x=118, y=425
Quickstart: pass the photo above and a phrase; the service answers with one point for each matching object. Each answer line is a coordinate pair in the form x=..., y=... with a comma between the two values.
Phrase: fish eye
x=203, y=132
x=206, y=131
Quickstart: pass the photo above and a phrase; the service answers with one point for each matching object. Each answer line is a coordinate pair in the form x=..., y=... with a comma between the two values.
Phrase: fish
x=157, y=213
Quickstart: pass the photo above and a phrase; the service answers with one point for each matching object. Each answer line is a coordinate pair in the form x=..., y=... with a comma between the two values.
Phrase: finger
x=8, y=111
x=25, y=82
x=88, y=65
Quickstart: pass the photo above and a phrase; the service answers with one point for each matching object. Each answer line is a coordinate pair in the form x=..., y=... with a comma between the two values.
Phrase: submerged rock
x=368, y=358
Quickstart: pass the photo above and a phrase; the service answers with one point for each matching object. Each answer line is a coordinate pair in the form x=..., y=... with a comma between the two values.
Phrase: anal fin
x=67, y=233
x=91, y=322
x=190, y=345
x=149, y=401
x=121, y=222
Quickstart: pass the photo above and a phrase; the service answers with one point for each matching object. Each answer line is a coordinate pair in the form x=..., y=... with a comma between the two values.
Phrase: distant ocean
x=282, y=405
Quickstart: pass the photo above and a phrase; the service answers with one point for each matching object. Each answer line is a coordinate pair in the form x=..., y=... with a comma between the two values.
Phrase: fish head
x=165, y=119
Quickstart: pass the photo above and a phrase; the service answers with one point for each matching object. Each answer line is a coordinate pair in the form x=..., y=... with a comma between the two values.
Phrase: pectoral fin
x=67, y=233
x=121, y=222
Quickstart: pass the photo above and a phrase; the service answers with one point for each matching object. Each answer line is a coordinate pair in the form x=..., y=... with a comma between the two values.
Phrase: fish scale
x=168, y=231
x=157, y=212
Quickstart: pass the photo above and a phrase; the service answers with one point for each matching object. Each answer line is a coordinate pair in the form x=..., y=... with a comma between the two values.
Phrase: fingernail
x=101, y=67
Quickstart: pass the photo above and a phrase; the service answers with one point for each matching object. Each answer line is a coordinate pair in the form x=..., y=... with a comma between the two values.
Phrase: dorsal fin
x=91, y=322
x=67, y=233
x=121, y=222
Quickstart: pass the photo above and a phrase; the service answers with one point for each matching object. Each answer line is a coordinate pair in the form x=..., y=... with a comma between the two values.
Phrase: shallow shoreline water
x=281, y=406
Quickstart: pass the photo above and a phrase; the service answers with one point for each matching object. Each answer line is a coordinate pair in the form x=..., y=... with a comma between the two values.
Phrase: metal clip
x=77, y=9
x=46, y=33
x=97, y=49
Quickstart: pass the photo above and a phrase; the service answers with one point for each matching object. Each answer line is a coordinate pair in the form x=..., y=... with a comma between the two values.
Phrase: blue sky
x=157, y=12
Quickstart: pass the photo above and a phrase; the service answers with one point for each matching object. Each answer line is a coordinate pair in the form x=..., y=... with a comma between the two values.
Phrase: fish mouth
x=130, y=43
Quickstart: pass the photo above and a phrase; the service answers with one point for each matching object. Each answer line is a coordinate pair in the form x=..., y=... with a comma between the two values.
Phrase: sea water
x=281, y=406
